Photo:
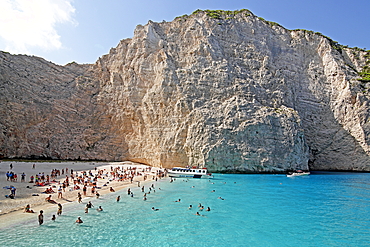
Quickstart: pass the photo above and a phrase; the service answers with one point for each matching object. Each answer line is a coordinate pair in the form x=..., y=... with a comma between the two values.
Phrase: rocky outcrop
x=225, y=90
x=49, y=111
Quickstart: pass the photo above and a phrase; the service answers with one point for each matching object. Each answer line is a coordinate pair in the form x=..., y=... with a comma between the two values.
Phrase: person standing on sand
x=79, y=197
x=84, y=189
x=41, y=217
x=60, y=192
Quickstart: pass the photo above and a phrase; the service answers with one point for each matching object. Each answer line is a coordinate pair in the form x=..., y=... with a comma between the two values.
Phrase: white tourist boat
x=189, y=172
x=298, y=173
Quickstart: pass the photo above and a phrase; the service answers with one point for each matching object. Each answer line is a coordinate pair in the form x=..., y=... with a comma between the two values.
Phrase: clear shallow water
x=324, y=209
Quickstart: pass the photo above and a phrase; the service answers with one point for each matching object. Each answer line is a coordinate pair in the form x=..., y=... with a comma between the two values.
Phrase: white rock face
x=235, y=94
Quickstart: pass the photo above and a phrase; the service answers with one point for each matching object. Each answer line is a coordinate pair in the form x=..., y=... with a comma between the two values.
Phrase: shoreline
x=12, y=210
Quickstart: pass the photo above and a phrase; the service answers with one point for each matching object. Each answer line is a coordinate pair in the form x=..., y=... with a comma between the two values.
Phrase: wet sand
x=12, y=210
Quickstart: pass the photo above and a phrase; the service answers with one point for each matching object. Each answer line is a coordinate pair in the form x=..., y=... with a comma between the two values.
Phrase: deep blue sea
x=323, y=209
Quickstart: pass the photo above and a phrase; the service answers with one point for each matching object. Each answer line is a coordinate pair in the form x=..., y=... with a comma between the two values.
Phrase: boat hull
x=298, y=174
x=189, y=173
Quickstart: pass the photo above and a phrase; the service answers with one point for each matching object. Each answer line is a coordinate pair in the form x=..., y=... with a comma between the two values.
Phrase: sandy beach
x=12, y=210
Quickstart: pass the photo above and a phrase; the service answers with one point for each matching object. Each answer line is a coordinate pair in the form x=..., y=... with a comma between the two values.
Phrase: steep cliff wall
x=50, y=111
x=229, y=91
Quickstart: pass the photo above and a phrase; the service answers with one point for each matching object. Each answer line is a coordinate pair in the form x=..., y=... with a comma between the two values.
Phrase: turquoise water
x=323, y=209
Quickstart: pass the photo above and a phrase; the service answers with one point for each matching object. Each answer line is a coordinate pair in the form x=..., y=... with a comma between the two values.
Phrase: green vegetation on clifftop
x=218, y=14
x=365, y=73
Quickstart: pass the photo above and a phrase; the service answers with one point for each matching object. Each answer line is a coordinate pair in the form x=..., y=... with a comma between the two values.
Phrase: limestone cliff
x=226, y=90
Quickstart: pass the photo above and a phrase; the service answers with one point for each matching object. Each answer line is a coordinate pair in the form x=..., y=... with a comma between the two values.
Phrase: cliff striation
x=222, y=89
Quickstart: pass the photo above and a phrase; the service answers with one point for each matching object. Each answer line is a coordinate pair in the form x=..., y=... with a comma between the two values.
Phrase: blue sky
x=63, y=31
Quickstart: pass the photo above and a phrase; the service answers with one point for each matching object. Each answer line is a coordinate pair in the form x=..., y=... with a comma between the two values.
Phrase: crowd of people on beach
x=88, y=184
x=85, y=183
x=13, y=177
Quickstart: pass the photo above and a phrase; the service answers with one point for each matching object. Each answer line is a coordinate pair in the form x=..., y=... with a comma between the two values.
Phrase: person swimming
x=155, y=209
x=198, y=214
x=79, y=221
x=99, y=209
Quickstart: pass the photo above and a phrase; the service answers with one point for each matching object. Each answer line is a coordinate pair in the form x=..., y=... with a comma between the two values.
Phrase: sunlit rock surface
x=234, y=94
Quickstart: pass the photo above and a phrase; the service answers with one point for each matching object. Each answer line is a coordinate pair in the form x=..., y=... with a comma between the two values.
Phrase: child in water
x=79, y=221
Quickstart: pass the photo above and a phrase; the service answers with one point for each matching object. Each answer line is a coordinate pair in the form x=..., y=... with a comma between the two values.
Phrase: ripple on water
x=257, y=210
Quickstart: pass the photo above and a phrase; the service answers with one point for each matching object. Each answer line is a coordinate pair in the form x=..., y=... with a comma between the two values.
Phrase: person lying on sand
x=40, y=184
x=48, y=199
x=49, y=191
